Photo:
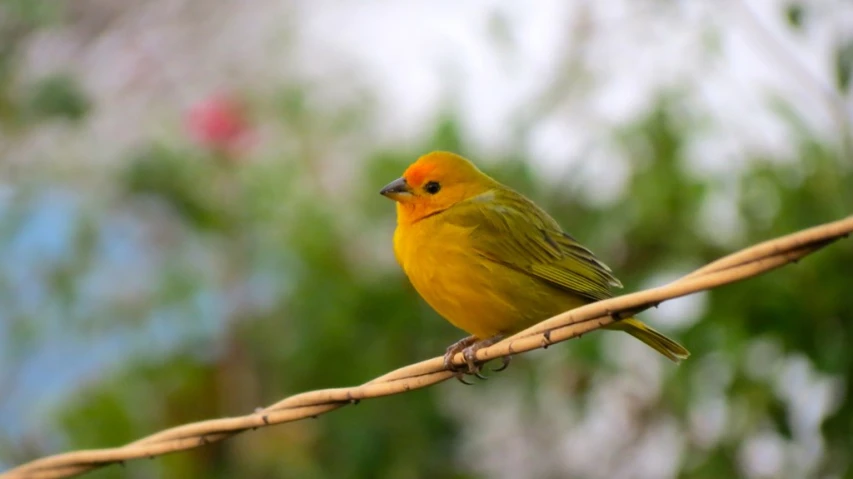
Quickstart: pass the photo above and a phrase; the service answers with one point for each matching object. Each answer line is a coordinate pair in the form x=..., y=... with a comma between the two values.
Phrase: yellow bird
x=490, y=261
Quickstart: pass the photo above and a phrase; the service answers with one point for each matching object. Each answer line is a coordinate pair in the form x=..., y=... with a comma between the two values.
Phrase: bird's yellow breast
x=473, y=293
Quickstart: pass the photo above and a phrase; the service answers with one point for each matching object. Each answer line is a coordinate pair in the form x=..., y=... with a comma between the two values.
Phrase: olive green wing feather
x=509, y=229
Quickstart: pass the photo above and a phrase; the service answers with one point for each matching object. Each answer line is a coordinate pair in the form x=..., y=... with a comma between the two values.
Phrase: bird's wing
x=509, y=229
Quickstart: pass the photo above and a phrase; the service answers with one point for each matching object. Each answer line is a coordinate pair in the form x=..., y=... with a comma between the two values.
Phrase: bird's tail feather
x=645, y=333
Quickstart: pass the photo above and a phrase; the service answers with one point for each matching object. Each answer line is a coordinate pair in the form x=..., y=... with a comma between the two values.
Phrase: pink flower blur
x=219, y=123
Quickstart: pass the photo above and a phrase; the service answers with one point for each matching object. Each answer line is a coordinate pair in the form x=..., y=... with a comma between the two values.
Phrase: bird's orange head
x=434, y=183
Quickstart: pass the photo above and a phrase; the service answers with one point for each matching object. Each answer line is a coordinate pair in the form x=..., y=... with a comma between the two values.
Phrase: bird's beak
x=397, y=189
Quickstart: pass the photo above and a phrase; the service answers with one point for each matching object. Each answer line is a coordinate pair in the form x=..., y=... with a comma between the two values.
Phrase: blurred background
x=190, y=227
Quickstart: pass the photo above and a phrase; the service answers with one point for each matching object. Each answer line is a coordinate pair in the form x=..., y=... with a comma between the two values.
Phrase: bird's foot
x=452, y=350
x=469, y=347
x=470, y=355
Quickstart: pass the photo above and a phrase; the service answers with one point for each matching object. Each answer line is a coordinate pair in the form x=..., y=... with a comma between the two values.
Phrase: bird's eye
x=432, y=187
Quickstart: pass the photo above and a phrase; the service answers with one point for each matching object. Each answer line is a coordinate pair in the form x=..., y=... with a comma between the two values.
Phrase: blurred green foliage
x=54, y=96
x=58, y=96
x=844, y=66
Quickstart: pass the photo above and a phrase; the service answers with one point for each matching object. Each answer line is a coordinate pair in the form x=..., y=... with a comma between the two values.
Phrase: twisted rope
x=738, y=266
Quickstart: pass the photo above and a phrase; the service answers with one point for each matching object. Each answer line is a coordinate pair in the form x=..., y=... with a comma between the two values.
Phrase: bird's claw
x=460, y=376
x=453, y=349
x=470, y=355
x=461, y=373
x=469, y=347
x=504, y=364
